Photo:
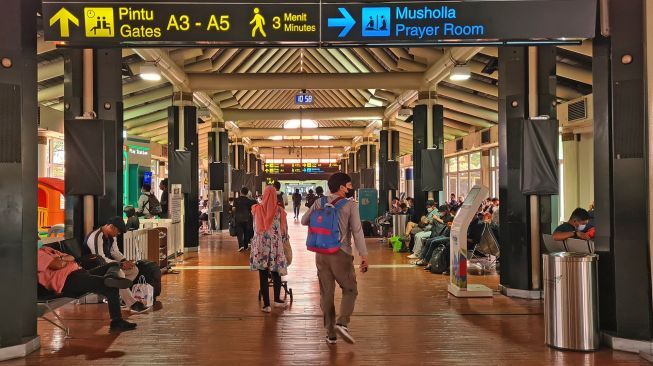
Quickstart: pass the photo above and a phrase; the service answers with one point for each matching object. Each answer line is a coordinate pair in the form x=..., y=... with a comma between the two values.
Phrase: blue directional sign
x=346, y=22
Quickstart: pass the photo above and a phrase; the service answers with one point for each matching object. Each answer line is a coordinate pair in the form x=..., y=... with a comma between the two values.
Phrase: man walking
x=339, y=267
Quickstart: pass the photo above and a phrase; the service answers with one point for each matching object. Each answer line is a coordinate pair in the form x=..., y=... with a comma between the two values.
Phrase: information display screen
x=280, y=168
x=316, y=23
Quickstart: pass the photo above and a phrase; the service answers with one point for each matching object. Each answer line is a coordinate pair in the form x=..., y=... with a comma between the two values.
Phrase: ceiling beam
x=310, y=143
x=352, y=114
x=322, y=131
x=398, y=80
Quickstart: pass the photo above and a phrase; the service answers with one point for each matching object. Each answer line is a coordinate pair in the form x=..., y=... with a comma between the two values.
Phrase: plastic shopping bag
x=143, y=292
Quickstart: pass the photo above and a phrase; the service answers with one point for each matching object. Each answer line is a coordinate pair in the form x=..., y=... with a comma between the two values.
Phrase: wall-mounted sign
x=285, y=168
x=303, y=99
x=315, y=23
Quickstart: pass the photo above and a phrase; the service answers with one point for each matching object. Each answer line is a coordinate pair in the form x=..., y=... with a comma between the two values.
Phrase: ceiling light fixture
x=150, y=72
x=460, y=72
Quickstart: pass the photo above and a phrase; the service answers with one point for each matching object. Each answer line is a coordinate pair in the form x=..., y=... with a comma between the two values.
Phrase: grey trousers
x=332, y=269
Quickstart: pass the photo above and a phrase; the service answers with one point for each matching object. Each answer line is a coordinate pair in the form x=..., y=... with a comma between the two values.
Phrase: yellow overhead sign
x=63, y=16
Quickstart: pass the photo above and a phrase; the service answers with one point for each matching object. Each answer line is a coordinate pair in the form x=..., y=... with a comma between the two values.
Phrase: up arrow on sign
x=347, y=22
x=63, y=16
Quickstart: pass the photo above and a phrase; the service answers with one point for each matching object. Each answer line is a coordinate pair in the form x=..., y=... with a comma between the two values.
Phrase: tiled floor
x=210, y=316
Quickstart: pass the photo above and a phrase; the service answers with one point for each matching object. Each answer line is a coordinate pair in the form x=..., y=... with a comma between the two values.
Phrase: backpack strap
x=339, y=202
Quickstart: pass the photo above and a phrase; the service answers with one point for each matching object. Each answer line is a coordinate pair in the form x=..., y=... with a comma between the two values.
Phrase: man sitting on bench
x=58, y=272
x=102, y=242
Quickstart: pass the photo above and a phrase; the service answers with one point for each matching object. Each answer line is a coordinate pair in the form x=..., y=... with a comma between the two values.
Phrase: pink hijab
x=265, y=211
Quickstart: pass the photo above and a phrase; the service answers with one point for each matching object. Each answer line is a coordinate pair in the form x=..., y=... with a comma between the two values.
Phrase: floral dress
x=267, y=249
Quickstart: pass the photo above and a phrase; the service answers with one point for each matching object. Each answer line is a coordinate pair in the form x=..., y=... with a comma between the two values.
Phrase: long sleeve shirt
x=349, y=222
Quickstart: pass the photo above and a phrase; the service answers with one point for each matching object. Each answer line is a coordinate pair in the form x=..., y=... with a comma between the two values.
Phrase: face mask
x=581, y=227
x=430, y=209
x=350, y=193
x=39, y=244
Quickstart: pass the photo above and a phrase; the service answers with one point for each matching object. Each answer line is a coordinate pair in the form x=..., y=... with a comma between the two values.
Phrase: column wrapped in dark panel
x=419, y=144
x=383, y=157
x=620, y=175
x=109, y=107
x=18, y=174
x=362, y=157
x=514, y=237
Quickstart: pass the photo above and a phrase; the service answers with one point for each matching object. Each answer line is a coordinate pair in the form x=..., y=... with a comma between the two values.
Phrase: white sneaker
x=267, y=309
x=344, y=332
x=412, y=256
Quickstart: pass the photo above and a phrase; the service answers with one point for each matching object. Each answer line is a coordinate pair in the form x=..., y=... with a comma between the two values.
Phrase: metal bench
x=49, y=304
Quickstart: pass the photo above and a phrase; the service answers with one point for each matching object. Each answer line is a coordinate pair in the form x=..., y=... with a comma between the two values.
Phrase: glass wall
x=463, y=172
x=494, y=172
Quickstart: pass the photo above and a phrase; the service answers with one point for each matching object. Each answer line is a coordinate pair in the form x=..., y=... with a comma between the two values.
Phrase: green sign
x=316, y=23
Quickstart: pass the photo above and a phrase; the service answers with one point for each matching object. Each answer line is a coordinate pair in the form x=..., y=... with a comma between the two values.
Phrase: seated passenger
x=132, y=220
x=413, y=228
x=60, y=273
x=420, y=237
x=394, y=208
x=438, y=237
x=574, y=228
x=102, y=242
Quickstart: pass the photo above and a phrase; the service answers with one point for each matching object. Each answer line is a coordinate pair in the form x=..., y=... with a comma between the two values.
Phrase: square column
x=182, y=135
x=18, y=166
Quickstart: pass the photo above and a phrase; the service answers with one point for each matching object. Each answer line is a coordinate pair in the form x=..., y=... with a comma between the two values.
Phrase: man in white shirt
x=102, y=242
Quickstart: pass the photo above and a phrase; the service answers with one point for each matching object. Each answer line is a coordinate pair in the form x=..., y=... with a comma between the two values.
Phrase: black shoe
x=117, y=282
x=427, y=268
x=331, y=340
x=138, y=308
x=121, y=325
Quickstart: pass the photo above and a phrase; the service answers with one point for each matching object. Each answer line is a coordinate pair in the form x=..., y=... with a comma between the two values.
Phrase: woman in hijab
x=267, y=255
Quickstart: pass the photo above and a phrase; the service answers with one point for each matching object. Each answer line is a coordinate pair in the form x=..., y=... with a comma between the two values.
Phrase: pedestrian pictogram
x=258, y=21
x=98, y=22
x=63, y=16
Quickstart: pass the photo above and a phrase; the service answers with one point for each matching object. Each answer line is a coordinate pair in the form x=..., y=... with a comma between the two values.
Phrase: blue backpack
x=323, y=230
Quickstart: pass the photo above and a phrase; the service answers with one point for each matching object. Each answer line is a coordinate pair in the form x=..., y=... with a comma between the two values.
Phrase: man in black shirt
x=243, y=219
x=574, y=228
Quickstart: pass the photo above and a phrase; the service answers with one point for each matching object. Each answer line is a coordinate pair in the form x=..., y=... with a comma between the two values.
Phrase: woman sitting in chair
x=267, y=256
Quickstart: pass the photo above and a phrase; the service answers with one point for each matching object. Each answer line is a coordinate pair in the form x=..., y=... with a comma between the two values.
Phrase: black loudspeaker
x=217, y=176
x=391, y=177
x=355, y=180
x=431, y=173
x=180, y=170
x=368, y=178
x=540, y=149
x=84, y=165
x=237, y=180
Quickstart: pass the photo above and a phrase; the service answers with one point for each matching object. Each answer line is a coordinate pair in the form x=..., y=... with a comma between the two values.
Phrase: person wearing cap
x=442, y=211
x=102, y=242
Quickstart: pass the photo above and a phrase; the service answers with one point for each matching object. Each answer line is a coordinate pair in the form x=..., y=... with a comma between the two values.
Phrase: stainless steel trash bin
x=399, y=224
x=571, y=318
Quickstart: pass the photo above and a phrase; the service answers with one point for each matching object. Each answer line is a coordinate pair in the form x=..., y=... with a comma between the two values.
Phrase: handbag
x=143, y=292
x=287, y=250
